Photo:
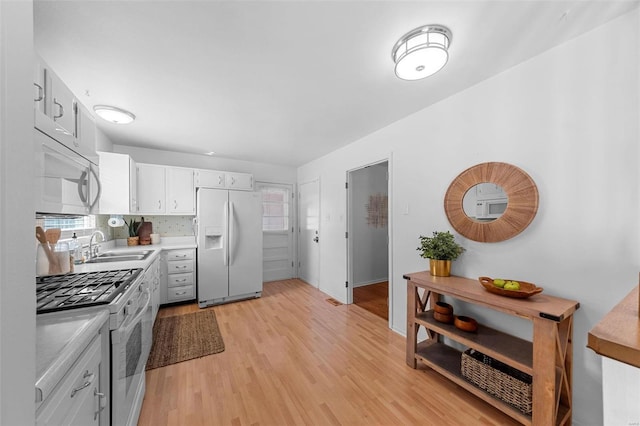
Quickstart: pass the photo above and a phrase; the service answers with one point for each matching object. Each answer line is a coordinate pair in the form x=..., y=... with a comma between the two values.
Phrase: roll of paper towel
x=116, y=222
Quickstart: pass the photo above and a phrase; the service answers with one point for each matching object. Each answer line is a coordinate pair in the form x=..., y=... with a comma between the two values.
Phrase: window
x=275, y=208
x=81, y=225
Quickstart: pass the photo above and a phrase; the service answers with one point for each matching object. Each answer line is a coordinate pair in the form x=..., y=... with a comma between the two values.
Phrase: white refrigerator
x=229, y=230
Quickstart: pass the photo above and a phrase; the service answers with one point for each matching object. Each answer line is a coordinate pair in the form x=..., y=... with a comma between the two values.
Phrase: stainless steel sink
x=144, y=253
x=107, y=257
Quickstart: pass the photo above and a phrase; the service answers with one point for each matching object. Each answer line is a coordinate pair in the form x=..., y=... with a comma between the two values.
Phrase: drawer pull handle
x=89, y=379
x=181, y=267
x=102, y=403
x=181, y=293
x=181, y=281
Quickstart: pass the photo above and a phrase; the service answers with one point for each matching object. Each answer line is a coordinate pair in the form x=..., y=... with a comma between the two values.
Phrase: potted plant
x=440, y=249
x=132, y=227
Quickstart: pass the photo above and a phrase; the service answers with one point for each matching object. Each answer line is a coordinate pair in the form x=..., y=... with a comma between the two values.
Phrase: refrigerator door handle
x=225, y=235
x=232, y=232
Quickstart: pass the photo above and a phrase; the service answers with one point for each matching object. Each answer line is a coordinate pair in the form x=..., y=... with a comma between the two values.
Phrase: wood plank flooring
x=292, y=358
x=374, y=298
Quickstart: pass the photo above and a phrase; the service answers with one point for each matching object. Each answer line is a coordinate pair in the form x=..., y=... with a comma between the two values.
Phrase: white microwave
x=490, y=209
x=66, y=182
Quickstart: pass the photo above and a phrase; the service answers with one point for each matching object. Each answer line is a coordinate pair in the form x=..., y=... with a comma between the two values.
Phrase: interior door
x=309, y=233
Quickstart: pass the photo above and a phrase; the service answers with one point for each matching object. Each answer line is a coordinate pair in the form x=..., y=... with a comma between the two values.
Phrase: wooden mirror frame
x=521, y=207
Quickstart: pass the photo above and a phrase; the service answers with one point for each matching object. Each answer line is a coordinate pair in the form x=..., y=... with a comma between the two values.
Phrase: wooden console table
x=548, y=358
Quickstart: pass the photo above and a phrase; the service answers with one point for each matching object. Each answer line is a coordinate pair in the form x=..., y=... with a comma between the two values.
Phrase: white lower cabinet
x=178, y=281
x=81, y=397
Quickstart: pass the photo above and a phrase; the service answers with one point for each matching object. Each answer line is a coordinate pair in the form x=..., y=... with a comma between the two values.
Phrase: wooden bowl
x=446, y=318
x=526, y=289
x=465, y=323
x=443, y=308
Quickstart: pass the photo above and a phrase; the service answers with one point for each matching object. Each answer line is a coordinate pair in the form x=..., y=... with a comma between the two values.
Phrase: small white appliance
x=229, y=232
x=66, y=182
x=490, y=209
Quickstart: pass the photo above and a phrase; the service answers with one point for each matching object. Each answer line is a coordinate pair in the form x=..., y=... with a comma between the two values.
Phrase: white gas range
x=126, y=296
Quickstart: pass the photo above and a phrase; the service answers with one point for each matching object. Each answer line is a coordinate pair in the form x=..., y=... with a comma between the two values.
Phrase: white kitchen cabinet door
x=85, y=132
x=118, y=177
x=63, y=106
x=151, y=189
x=40, y=86
x=237, y=181
x=209, y=179
x=180, y=191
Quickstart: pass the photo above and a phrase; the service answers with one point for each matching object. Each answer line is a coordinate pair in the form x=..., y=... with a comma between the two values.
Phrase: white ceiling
x=283, y=82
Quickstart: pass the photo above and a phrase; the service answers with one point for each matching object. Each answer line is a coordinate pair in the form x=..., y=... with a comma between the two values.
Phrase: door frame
x=349, y=226
x=298, y=217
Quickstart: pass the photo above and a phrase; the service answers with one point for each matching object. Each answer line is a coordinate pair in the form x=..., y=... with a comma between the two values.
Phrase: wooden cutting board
x=144, y=232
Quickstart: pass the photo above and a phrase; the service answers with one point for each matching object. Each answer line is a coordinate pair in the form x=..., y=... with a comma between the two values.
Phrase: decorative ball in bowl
x=465, y=323
x=509, y=288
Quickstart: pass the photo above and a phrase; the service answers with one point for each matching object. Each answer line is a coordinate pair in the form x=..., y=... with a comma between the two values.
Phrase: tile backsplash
x=166, y=226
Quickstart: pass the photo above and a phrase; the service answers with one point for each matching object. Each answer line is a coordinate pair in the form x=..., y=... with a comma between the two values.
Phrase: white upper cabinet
x=85, y=131
x=242, y=181
x=59, y=114
x=151, y=189
x=227, y=180
x=180, y=190
x=209, y=179
x=165, y=190
x=119, y=184
x=39, y=85
x=63, y=106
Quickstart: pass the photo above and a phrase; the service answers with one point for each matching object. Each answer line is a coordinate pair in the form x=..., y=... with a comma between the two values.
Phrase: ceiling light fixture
x=421, y=52
x=113, y=114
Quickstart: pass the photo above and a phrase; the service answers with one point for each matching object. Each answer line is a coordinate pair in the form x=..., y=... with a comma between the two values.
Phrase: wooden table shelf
x=548, y=358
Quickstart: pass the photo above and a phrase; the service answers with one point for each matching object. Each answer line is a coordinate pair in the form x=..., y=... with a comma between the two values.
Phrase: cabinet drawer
x=177, y=280
x=180, y=254
x=74, y=400
x=180, y=293
x=179, y=266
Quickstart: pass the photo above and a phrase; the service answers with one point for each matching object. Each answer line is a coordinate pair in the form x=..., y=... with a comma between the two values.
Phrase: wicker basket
x=500, y=380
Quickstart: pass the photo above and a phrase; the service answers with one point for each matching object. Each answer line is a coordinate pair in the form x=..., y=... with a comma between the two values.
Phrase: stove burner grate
x=70, y=291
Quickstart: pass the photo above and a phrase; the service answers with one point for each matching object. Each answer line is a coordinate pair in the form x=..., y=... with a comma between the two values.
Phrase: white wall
x=370, y=260
x=569, y=118
x=261, y=171
x=17, y=211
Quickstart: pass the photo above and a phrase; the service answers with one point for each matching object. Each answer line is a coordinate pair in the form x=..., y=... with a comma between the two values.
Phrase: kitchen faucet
x=91, y=253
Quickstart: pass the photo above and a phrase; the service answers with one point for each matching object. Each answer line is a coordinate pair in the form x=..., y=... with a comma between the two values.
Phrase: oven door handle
x=127, y=329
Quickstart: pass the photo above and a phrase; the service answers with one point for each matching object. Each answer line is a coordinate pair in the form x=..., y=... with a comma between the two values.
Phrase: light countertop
x=62, y=336
x=60, y=339
x=120, y=246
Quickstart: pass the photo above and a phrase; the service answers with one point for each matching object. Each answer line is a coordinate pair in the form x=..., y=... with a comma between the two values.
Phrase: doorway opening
x=368, y=238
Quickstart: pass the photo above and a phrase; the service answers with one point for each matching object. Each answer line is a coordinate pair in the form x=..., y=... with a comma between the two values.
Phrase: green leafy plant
x=132, y=227
x=441, y=246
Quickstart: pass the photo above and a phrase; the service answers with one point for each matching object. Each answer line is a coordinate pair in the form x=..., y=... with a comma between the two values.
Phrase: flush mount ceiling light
x=421, y=52
x=113, y=114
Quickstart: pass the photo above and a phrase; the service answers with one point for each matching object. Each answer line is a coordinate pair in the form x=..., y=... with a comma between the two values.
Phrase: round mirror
x=485, y=202
x=516, y=210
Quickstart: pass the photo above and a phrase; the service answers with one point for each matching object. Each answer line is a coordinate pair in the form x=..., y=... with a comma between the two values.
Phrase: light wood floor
x=374, y=298
x=292, y=358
